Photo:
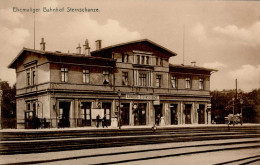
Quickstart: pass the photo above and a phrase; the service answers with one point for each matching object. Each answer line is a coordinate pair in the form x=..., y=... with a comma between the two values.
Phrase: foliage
x=222, y=105
x=8, y=105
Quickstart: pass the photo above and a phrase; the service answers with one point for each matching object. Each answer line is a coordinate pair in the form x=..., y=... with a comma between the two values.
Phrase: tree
x=222, y=105
x=8, y=106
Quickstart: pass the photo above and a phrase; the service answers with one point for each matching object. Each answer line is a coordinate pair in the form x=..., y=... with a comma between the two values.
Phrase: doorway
x=64, y=114
x=201, y=114
x=86, y=113
x=158, y=113
x=187, y=113
x=174, y=117
x=125, y=113
x=140, y=114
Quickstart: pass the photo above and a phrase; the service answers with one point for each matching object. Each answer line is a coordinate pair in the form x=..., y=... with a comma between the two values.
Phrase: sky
x=223, y=35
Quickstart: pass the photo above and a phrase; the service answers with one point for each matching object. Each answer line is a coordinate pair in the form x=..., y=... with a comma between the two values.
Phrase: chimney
x=86, y=48
x=78, y=49
x=193, y=63
x=98, y=44
x=42, y=45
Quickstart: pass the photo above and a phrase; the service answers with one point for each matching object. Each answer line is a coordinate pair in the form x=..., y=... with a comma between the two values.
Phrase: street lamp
x=119, y=110
x=233, y=101
x=241, y=104
x=208, y=109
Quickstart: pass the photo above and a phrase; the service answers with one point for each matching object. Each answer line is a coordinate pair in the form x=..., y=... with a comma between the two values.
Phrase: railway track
x=64, y=140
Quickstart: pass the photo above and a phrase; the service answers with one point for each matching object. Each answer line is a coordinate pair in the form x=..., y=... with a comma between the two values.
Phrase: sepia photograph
x=138, y=82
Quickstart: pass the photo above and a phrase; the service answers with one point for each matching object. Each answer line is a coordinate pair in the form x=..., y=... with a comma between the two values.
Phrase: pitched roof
x=50, y=53
x=133, y=42
x=192, y=67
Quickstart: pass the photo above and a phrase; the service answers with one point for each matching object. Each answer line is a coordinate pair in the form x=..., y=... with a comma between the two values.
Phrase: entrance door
x=65, y=114
x=201, y=114
x=107, y=112
x=140, y=114
x=174, y=118
x=158, y=113
x=187, y=112
x=125, y=113
x=86, y=113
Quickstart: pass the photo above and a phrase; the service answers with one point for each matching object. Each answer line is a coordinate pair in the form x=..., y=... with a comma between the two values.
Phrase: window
x=142, y=79
x=173, y=82
x=188, y=82
x=201, y=83
x=125, y=78
x=138, y=59
x=157, y=60
x=106, y=77
x=28, y=77
x=85, y=76
x=158, y=81
x=161, y=62
x=143, y=58
x=123, y=57
x=64, y=74
x=33, y=77
x=147, y=60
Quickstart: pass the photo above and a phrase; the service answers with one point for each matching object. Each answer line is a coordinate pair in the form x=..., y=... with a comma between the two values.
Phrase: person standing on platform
x=97, y=118
x=104, y=122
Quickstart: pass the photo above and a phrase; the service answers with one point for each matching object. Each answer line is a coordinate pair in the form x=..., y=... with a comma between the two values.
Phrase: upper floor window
x=138, y=59
x=157, y=61
x=147, y=60
x=143, y=59
x=188, y=82
x=161, y=62
x=33, y=76
x=106, y=77
x=28, y=77
x=126, y=59
x=64, y=74
x=158, y=81
x=201, y=83
x=86, y=76
x=173, y=82
x=125, y=78
x=142, y=79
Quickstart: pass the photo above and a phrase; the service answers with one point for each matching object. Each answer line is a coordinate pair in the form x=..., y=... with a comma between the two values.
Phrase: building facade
x=133, y=83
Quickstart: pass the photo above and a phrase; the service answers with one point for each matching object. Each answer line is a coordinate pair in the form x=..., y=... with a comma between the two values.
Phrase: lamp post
x=233, y=101
x=42, y=107
x=1, y=93
x=208, y=109
x=241, y=104
x=119, y=110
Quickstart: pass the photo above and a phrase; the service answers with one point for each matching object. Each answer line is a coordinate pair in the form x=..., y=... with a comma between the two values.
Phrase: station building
x=132, y=82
